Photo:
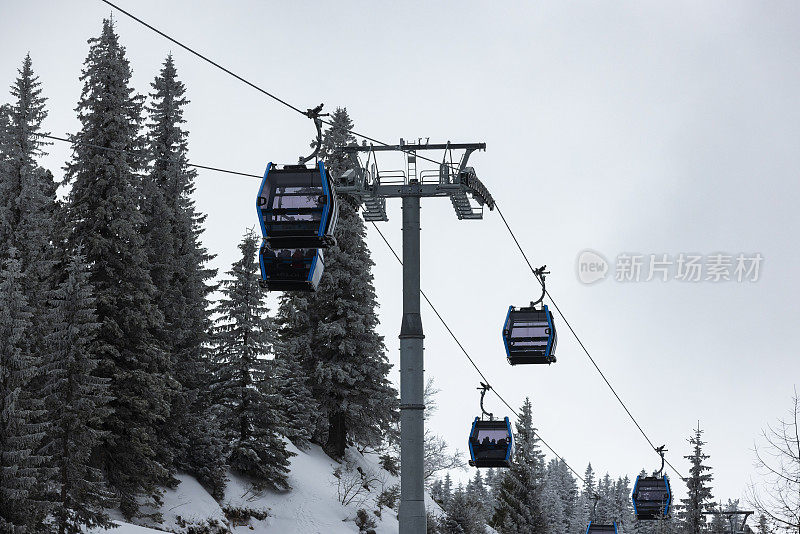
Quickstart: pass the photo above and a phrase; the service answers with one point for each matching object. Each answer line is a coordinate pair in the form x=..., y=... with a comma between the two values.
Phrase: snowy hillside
x=314, y=505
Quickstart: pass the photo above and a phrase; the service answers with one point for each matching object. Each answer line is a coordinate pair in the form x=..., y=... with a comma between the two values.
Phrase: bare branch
x=777, y=497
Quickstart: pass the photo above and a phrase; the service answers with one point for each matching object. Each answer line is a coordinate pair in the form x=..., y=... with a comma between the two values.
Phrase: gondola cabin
x=291, y=269
x=529, y=335
x=297, y=207
x=651, y=497
x=595, y=528
x=490, y=443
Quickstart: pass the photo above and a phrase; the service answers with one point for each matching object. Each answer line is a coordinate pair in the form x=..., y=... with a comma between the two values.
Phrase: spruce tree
x=491, y=480
x=604, y=510
x=447, y=489
x=561, y=479
x=27, y=211
x=19, y=432
x=76, y=402
x=477, y=493
x=719, y=523
x=622, y=507
x=586, y=500
x=433, y=524
x=249, y=409
x=343, y=356
x=172, y=228
x=293, y=361
x=697, y=485
x=553, y=511
x=436, y=491
x=463, y=513
x=450, y=525
x=107, y=224
x=519, y=502
x=27, y=191
x=361, y=404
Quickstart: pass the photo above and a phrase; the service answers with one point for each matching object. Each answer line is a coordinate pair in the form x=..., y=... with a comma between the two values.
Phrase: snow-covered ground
x=313, y=506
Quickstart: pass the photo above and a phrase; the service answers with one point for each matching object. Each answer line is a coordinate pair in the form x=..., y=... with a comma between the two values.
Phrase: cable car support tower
x=371, y=187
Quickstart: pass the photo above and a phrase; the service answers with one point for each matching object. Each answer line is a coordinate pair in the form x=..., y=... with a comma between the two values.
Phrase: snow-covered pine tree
x=447, y=489
x=697, y=485
x=491, y=480
x=343, y=356
x=172, y=228
x=477, y=493
x=604, y=511
x=19, y=434
x=622, y=507
x=27, y=211
x=76, y=403
x=249, y=408
x=294, y=355
x=561, y=479
x=732, y=505
x=719, y=523
x=5, y=140
x=518, y=507
x=763, y=526
x=437, y=491
x=449, y=525
x=553, y=510
x=585, y=506
x=463, y=512
x=106, y=222
x=361, y=404
x=27, y=191
x=337, y=136
x=433, y=525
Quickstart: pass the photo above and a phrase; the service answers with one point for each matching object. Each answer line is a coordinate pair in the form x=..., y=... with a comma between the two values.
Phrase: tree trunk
x=337, y=435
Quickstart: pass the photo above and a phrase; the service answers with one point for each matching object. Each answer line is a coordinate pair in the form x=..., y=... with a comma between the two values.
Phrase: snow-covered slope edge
x=313, y=506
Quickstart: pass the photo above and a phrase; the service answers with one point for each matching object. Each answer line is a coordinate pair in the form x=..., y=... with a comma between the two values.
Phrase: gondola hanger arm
x=315, y=114
x=596, y=497
x=541, y=274
x=484, y=387
x=661, y=450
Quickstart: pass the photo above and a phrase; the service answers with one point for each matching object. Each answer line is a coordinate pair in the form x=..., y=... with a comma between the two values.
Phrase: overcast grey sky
x=621, y=127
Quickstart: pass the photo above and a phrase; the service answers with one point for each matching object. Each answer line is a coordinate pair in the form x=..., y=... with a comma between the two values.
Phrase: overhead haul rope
x=539, y=278
x=480, y=373
x=435, y=311
x=253, y=85
x=377, y=141
x=142, y=152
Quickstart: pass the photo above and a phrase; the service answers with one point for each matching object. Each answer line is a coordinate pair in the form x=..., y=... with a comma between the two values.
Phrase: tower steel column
x=455, y=181
x=412, y=487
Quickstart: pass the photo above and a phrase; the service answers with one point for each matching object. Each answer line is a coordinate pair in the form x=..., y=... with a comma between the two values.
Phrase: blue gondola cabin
x=529, y=335
x=490, y=443
x=651, y=497
x=596, y=528
x=297, y=207
x=291, y=269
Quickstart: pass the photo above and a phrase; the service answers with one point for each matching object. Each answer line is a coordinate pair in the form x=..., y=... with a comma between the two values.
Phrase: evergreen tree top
x=337, y=136
x=27, y=114
x=526, y=448
x=109, y=109
x=697, y=457
x=166, y=112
